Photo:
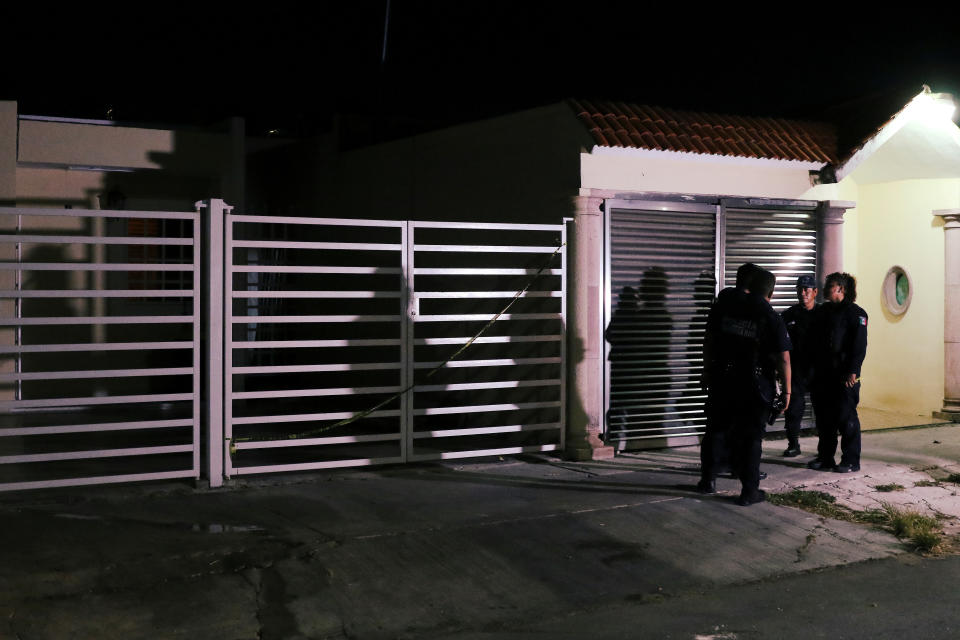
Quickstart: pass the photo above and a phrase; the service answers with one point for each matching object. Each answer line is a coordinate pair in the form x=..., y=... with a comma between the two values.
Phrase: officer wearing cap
x=798, y=319
x=839, y=344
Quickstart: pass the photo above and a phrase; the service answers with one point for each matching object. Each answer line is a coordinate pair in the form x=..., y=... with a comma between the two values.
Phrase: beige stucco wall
x=517, y=168
x=692, y=174
x=904, y=366
x=69, y=143
x=892, y=224
x=60, y=164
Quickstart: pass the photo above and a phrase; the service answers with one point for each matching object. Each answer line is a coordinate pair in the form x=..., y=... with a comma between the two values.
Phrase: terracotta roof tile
x=647, y=127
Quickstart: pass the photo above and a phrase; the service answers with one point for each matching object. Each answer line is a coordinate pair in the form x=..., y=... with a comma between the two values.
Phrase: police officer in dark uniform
x=715, y=454
x=839, y=342
x=748, y=349
x=798, y=319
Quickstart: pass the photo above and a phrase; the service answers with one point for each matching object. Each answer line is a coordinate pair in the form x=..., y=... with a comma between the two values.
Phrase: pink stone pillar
x=830, y=213
x=951, y=315
x=585, y=347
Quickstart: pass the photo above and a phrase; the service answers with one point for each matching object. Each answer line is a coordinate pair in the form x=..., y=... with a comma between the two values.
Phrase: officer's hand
x=786, y=402
x=851, y=380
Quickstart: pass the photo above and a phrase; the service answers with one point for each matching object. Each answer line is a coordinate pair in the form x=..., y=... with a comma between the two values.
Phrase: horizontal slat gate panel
x=315, y=335
x=782, y=241
x=504, y=394
x=661, y=277
x=100, y=313
x=300, y=358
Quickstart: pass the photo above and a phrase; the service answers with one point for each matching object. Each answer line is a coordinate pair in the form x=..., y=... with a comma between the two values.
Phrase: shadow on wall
x=656, y=357
x=181, y=178
x=640, y=334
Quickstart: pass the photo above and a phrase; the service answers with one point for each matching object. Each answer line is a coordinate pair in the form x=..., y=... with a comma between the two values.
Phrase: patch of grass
x=818, y=502
x=923, y=532
x=872, y=516
x=926, y=483
x=953, y=477
x=887, y=488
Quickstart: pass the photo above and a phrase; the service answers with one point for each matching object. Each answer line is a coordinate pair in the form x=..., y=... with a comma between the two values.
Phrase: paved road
x=496, y=549
x=897, y=598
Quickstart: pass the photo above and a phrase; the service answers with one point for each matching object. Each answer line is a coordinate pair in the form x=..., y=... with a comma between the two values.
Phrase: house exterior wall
x=58, y=164
x=52, y=163
x=893, y=224
x=517, y=168
x=904, y=370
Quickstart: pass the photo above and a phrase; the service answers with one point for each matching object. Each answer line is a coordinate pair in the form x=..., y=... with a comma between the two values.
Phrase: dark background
x=302, y=69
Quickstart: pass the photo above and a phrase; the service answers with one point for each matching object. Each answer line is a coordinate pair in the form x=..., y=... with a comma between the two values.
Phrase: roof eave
x=918, y=107
x=704, y=157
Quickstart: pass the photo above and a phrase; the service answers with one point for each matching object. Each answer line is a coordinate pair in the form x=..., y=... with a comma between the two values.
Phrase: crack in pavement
x=257, y=587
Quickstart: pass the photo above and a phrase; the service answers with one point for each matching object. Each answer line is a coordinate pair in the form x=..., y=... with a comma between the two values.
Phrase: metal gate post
x=213, y=328
x=407, y=311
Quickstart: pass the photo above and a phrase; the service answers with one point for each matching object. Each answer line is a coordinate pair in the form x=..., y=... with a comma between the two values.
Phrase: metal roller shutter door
x=661, y=265
x=783, y=240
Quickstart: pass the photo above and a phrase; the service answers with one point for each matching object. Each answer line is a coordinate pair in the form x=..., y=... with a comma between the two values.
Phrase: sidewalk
x=432, y=550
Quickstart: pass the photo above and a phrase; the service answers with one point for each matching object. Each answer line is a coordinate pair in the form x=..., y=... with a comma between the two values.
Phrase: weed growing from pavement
x=818, y=502
x=953, y=477
x=926, y=483
x=923, y=532
x=887, y=488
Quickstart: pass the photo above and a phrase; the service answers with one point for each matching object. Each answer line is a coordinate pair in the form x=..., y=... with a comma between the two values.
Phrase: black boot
x=793, y=449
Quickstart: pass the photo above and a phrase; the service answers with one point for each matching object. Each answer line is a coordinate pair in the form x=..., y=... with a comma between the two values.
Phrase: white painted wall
x=631, y=170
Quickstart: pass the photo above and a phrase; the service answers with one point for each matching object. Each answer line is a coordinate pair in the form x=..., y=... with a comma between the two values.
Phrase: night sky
x=296, y=68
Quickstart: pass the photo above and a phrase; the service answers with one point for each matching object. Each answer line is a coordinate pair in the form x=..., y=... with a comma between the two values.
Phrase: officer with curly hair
x=839, y=342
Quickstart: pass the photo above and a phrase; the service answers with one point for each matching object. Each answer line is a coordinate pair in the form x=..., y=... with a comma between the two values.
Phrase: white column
x=585, y=348
x=213, y=213
x=830, y=214
x=951, y=315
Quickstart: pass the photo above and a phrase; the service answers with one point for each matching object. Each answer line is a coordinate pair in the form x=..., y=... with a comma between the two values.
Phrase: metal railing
x=100, y=347
x=318, y=350
x=341, y=361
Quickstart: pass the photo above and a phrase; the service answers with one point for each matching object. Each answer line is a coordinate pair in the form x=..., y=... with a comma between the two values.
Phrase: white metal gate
x=100, y=325
x=334, y=358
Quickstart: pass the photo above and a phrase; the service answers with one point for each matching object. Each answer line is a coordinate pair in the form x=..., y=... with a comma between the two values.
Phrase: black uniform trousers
x=736, y=421
x=793, y=416
x=835, y=407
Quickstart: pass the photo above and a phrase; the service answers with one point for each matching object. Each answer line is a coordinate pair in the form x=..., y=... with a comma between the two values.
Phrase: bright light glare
x=932, y=107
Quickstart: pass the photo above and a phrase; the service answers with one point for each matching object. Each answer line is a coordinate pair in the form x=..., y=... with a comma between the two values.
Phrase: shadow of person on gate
x=640, y=334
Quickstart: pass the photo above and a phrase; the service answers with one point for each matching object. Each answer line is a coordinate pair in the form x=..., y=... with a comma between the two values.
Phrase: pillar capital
x=951, y=217
x=588, y=205
x=832, y=211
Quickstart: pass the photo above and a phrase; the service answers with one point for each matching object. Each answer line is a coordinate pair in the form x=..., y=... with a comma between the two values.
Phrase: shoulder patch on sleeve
x=863, y=320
